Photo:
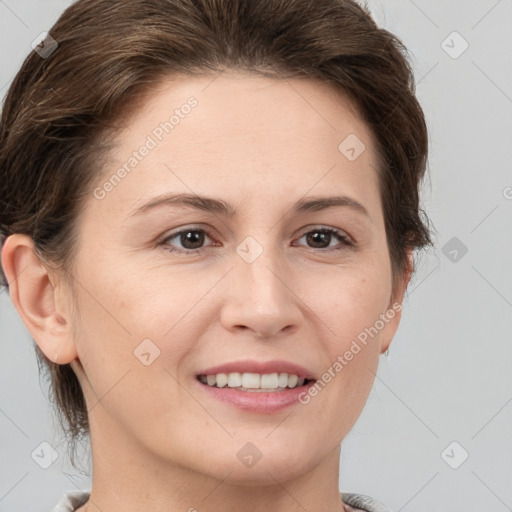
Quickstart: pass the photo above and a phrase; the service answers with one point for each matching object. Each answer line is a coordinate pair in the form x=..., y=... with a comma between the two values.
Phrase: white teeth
x=253, y=381
x=283, y=380
x=234, y=380
x=221, y=379
x=250, y=380
x=269, y=380
x=292, y=380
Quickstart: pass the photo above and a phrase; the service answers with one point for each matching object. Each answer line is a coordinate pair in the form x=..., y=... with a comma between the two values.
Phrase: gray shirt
x=356, y=502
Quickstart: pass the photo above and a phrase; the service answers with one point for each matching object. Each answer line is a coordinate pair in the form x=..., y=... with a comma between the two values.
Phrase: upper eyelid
x=335, y=231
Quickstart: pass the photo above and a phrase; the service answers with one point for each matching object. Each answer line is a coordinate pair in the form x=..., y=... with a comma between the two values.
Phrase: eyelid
x=185, y=229
x=324, y=227
x=345, y=239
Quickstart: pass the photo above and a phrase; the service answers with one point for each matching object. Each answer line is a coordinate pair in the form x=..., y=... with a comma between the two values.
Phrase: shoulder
x=360, y=502
x=71, y=500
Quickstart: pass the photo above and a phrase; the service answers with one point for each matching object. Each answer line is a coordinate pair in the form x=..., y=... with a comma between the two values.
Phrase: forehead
x=241, y=134
x=236, y=99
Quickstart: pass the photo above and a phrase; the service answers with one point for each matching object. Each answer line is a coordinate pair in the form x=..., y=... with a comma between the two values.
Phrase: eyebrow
x=218, y=206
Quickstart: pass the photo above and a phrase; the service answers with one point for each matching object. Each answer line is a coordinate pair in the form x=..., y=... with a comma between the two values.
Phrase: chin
x=266, y=472
x=262, y=461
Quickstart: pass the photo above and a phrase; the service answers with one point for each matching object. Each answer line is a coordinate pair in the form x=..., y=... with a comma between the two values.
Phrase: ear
x=394, y=312
x=37, y=298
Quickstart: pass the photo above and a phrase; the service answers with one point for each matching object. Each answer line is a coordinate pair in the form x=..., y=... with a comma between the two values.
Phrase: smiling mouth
x=254, y=382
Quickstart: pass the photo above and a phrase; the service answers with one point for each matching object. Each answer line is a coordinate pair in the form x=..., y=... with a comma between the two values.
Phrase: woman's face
x=261, y=281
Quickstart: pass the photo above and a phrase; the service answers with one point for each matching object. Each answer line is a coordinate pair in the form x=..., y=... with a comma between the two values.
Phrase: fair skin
x=159, y=442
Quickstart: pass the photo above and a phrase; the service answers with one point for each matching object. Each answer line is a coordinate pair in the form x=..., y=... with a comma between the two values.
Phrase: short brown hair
x=59, y=110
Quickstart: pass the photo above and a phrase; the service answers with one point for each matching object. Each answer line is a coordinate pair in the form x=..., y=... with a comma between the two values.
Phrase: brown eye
x=191, y=240
x=321, y=238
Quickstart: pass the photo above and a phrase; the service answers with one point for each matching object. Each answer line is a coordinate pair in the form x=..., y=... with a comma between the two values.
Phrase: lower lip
x=257, y=401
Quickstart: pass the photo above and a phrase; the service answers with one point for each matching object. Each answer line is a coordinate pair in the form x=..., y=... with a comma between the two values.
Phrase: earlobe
x=35, y=296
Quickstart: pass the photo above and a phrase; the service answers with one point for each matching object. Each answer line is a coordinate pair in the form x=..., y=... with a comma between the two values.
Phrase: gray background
x=447, y=378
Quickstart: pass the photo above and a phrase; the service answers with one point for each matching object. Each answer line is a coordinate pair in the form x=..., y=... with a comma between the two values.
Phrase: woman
x=219, y=371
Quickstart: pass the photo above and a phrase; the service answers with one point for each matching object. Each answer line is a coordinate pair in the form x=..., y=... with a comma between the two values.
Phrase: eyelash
x=340, y=235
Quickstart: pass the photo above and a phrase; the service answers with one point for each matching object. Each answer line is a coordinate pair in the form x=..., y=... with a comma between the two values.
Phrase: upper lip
x=252, y=366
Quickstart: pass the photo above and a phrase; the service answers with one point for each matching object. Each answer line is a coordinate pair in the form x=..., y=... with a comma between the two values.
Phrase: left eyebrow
x=218, y=206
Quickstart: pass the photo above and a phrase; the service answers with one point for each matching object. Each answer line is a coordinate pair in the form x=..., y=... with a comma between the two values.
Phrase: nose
x=261, y=298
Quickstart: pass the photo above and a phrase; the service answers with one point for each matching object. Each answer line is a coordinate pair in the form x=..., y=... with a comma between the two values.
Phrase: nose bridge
x=258, y=266
x=261, y=299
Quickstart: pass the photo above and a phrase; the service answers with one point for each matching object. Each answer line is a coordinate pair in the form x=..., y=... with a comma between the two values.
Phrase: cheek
x=132, y=327
x=131, y=367
x=350, y=304
x=127, y=299
x=349, y=299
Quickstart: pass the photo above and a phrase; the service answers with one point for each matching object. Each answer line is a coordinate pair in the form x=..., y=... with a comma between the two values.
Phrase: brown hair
x=61, y=108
